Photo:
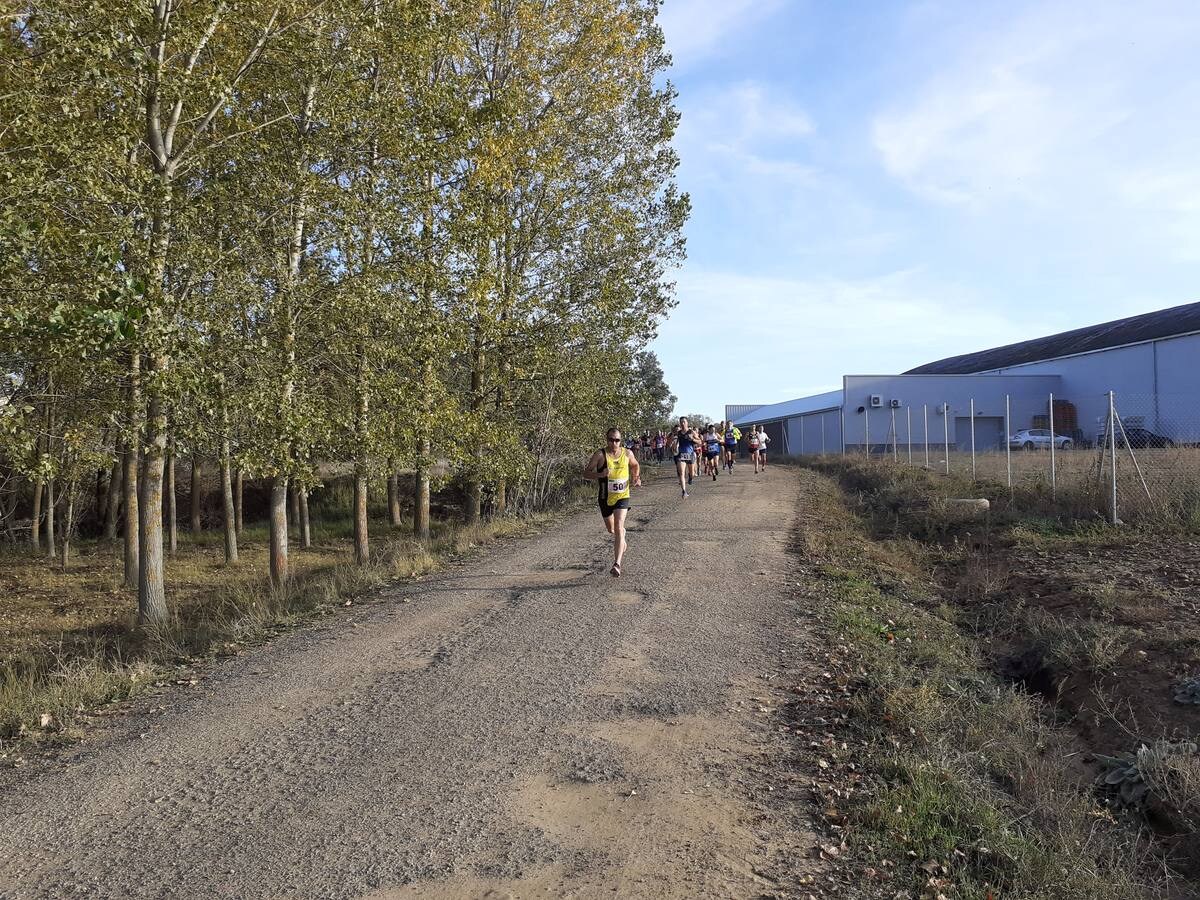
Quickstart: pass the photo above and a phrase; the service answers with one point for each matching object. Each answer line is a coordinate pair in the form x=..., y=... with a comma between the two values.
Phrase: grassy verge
x=68, y=641
x=940, y=779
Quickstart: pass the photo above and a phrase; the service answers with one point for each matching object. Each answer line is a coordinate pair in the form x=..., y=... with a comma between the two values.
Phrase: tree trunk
x=501, y=497
x=294, y=509
x=228, y=516
x=474, y=509
x=172, y=513
x=197, y=493
x=101, y=493
x=421, y=481
x=237, y=500
x=279, y=535
x=362, y=425
x=51, y=552
x=362, y=545
x=129, y=472
x=152, y=596
x=68, y=525
x=35, y=525
x=393, y=488
x=129, y=488
x=305, y=524
x=421, y=500
x=114, y=500
x=282, y=320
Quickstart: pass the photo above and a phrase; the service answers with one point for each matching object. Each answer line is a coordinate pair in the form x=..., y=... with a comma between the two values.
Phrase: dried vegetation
x=982, y=675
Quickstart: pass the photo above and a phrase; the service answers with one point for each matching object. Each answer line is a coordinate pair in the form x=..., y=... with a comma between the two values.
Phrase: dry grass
x=1170, y=494
x=968, y=794
x=68, y=641
x=1087, y=645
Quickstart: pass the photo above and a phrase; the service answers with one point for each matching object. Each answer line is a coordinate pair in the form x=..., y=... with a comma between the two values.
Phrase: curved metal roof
x=785, y=410
x=1135, y=329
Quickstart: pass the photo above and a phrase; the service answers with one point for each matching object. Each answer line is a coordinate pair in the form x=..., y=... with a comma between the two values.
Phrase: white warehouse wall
x=1028, y=396
x=809, y=433
x=1158, y=381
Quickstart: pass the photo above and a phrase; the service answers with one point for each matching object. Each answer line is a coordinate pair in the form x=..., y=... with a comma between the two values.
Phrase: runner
x=660, y=446
x=614, y=466
x=712, y=452
x=732, y=435
x=753, y=443
x=758, y=448
x=683, y=441
x=763, y=440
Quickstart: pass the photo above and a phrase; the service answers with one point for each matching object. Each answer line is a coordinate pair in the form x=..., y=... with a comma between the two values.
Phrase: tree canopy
x=282, y=233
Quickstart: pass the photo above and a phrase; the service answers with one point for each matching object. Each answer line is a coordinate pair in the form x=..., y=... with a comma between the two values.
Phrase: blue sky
x=878, y=184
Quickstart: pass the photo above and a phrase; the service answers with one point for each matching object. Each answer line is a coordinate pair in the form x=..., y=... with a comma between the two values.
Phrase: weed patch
x=963, y=786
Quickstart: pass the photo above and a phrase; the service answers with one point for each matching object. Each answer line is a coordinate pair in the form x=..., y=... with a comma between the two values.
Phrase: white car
x=1038, y=439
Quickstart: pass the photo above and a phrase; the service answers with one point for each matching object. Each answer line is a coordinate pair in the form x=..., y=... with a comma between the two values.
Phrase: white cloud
x=744, y=132
x=696, y=29
x=1170, y=195
x=780, y=332
x=1043, y=106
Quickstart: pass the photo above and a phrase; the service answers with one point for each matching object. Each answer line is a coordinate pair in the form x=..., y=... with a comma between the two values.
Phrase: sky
x=879, y=184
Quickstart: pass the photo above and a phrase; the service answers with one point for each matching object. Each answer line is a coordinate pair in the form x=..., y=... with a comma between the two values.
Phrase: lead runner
x=614, y=467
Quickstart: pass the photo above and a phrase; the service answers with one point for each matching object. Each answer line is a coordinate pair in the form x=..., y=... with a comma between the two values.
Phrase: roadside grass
x=69, y=642
x=967, y=789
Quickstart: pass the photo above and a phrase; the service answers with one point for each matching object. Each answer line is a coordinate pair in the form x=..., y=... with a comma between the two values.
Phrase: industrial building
x=1151, y=362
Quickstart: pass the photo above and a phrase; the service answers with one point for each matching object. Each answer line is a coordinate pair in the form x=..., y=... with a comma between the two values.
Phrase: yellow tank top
x=617, y=477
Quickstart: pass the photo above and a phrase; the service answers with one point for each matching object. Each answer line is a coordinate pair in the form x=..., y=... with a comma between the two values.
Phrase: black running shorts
x=606, y=510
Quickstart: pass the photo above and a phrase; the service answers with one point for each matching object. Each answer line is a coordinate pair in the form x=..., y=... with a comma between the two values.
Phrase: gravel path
x=520, y=724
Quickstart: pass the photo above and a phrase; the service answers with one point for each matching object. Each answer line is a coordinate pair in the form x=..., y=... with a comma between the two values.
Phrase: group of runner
x=616, y=467
x=649, y=446
x=716, y=447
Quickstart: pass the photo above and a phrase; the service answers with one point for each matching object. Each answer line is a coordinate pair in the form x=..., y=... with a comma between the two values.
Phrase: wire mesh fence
x=1122, y=456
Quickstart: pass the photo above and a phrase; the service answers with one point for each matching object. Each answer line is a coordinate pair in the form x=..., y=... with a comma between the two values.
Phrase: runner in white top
x=763, y=440
x=758, y=448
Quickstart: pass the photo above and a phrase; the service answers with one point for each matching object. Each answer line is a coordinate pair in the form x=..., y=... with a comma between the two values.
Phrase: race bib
x=617, y=487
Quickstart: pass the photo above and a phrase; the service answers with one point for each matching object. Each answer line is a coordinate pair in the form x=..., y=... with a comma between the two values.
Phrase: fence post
x=1053, y=459
x=925, y=411
x=1008, y=438
x=895, y=438
x=1112, y=459
x=908, y=432
x=946, y=433
x=972, y=439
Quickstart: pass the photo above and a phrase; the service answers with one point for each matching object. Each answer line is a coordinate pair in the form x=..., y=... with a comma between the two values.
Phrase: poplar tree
x=427, y=234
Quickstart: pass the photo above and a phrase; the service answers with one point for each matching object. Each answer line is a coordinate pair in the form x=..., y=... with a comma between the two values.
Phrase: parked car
x=1140, y=438
x=1039, y=439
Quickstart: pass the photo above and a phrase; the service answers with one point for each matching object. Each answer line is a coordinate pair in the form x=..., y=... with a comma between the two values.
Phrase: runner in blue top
x=732, y=436
x=712, y=452
x=684, y=440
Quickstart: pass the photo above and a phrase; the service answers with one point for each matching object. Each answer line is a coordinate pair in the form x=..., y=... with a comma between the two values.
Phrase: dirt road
x=521, y=725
